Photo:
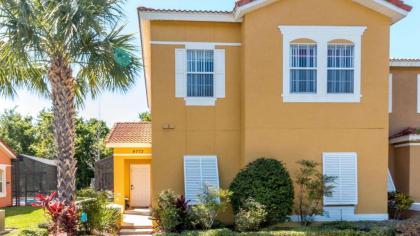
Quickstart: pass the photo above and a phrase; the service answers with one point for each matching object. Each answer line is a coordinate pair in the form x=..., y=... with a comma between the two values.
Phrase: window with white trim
x=2, y=181
x=303, y=67
x=340, y=68
x=327, y=71
x=200, y=173
x=200, y=74
x=342, y=166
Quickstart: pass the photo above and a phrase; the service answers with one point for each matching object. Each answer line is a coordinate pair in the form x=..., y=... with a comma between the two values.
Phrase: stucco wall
x=404, y=90
x=252, y=121
x=5, y=160
x=293, y=131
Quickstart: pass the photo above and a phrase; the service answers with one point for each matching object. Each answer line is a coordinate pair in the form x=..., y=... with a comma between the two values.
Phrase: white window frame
x=418, y=93
x=322, y=35
x=218, y=78
x=3, y=179
x=341, y=155
x=390, y=93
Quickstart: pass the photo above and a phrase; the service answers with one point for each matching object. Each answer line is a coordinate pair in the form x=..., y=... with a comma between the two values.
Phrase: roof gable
x=7, y=149
x=395, y=9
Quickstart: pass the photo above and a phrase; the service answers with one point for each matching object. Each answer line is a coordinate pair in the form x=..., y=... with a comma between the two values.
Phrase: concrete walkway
x=137, y=222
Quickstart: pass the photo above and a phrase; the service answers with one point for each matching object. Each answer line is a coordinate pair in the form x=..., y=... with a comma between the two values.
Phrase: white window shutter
x=199, y=171
x=343, y=166
x=219, y=73
x=180, y=73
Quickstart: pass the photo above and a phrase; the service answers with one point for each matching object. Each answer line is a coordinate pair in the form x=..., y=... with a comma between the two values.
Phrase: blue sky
x=113, y=107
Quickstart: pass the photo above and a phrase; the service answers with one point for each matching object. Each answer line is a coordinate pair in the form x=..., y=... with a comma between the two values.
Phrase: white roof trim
x=241, y=11
x=188, y=16
x=7, y=150
x=128, y=145
x=406, y=138
x=384, y=7
x=408, y=63
x=381, y=6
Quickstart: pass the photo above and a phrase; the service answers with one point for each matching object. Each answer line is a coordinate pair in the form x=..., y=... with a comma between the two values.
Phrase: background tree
x=42, y=42
x=145, y=116
x=44, y=145
x=90, y=147
x=17, y=131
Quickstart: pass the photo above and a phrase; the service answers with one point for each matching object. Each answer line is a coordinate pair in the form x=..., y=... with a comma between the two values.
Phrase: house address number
x=138, y=151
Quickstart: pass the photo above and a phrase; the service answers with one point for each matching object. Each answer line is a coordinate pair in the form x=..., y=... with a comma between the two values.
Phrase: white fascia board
x=189, y=16
x=7, y=150
x=128, y=145
x=384, y=7
x=404, y=63
x=241, y=11
x=406, y=138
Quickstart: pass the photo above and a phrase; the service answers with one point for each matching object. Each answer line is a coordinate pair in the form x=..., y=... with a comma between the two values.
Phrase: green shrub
x=211, y=203
x=250, y=216
x=33, y=232
x=171, y=212
x=269, y=183
x=398, y=203
x=100, y=216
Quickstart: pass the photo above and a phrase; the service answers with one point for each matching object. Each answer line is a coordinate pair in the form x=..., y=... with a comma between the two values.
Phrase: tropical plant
x=211, y=203
x=312, y=187
x=100, y=216
x=250, y=216
x=268, y=182
x=44, y=42
x=170, y=212
x=398, y=203
x=62, y=216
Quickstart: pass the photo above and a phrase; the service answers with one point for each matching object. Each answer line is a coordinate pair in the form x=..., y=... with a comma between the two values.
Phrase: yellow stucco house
x=286, y=79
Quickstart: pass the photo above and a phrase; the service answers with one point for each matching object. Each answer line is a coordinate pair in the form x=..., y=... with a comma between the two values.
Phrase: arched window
x=340, y=75
x=303, y=66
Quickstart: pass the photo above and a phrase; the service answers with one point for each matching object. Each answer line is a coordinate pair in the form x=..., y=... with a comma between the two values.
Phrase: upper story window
x=303, y=69
x=200, y=74
x=340, y=68
x=321, y=63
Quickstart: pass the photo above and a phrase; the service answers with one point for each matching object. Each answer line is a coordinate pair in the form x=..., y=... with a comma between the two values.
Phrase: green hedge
x=268, y=182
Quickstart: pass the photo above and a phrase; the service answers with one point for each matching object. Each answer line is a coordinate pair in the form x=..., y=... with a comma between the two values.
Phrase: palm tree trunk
x=62, y=93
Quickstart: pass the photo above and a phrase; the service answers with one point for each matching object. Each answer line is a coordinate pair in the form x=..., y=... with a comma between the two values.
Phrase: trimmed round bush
x=268, y=182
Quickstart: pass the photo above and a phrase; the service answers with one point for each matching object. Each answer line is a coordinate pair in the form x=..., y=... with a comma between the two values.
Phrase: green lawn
x=23, y=219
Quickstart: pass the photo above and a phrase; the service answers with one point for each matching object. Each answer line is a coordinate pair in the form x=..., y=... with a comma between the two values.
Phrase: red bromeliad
x=63, y=217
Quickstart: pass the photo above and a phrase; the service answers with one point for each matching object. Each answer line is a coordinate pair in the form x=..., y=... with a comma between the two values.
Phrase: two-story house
x=285, y=79
x=404, y=115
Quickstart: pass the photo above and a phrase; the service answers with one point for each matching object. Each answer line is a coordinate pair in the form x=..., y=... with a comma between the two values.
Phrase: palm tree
x=65, y=50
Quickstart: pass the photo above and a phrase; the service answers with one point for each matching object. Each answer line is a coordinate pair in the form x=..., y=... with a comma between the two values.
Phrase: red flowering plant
x=63, y=217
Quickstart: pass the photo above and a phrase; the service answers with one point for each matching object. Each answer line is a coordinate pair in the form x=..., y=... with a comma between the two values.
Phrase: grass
x=24, y=219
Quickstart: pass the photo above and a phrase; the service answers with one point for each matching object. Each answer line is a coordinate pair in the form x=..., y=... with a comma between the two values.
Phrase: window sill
x=197, y=101
x=329, y=98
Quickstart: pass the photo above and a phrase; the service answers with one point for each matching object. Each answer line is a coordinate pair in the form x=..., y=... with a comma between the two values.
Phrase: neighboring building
x=290, y=80
x=404, y=113
x=32, y=176
x=132, y=144
x=6, y=156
